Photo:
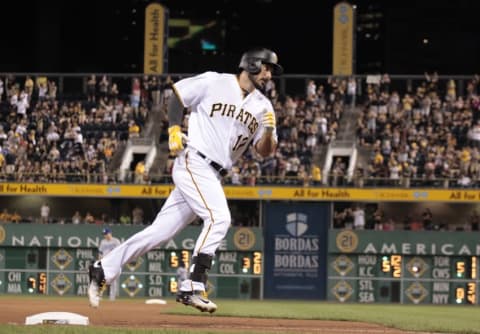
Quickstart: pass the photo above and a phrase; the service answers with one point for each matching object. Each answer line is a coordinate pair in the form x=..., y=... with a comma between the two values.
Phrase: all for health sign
x=295, y=250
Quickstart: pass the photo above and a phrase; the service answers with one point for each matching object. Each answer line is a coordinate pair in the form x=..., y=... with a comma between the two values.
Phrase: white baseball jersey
x=221, y=114
x=222, y=124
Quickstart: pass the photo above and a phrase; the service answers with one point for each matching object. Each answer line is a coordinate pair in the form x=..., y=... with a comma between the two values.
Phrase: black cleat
x=97, y=283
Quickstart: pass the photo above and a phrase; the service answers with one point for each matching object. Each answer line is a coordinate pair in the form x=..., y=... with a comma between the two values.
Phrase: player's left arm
x=268, y=141
x=175, y=111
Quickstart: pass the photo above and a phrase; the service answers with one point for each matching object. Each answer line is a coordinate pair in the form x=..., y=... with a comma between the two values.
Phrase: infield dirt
x=133, y=314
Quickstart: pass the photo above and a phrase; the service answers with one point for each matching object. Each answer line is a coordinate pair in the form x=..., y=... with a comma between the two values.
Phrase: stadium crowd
x=428, y=135
x=45, y=138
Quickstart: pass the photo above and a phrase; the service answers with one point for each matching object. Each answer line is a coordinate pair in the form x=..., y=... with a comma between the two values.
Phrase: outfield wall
x=292, y=253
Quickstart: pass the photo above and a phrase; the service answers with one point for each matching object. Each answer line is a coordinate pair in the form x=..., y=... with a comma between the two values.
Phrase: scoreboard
x=405, y=279
x=233, y=273
x=237, y=270
x=448, y=278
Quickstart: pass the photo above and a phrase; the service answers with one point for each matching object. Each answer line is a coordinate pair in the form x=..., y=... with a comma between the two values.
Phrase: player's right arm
x=267, y=143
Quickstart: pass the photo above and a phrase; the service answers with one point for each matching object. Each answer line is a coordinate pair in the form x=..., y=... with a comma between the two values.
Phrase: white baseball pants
x=198, y=192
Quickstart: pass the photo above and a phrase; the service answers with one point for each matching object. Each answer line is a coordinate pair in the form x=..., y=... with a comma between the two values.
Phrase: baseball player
x=108, y=243
x=228, y=114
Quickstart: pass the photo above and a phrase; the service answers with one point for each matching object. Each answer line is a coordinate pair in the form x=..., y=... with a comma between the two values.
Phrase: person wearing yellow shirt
x=5, y=216
x=139, y=171
x=108, y=151
x=316, y=175
x=15, y=217
x=133, y=130
x=2, y=160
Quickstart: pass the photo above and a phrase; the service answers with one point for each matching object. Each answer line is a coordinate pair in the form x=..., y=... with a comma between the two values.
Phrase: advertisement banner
x=295, y=250
x=343, y=39
x=404, y=242
x=89, y=236
x=246, y=193
x=154, y=39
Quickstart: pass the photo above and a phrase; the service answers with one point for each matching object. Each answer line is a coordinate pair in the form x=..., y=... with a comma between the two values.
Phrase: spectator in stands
x=45, y=213
x=351, y=91
x=137, y=216
x=125, y=219
x=133, y=129
x=358, y=217
x=316, y=175
x=77, y=218
x=311, y=90
x=427, y=219
x=474, y=220
x=42, y=89
x=114, y=92
x=338, y=172
x=52, y=90
x=15, y=217
x=22, y=104
x=389, y=224
x=339, y=219
x=235, y=176
x=139, y=172
x=349, y=218
x=378, y=217
x=5, y=216
x=359, y=176
x=167, y=91
x=89, y=219
x=155, y=88
x=92, y=88
x=28, y=86
x=103, y=87
x=136, y=93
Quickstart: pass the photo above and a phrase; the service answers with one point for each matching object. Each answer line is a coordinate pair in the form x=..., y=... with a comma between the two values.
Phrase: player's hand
x=269, y=121
x=175, y=139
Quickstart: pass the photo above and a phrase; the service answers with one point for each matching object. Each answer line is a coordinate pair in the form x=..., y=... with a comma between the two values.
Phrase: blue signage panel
x=296, y=250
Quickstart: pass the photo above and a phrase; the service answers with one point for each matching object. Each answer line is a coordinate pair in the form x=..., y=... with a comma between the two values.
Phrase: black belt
x=222, y=171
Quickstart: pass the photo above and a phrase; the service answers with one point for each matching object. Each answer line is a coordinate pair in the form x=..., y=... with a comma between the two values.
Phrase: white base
x=156, y=301
x=56, y=318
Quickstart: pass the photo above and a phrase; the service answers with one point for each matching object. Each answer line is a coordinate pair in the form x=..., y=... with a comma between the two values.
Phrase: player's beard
x=257, y=83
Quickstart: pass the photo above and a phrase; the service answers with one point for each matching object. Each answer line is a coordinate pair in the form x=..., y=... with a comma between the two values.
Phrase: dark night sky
x=75, y=36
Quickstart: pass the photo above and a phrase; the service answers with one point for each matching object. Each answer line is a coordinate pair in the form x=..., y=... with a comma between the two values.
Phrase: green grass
x=424, y=318
x=427, y=318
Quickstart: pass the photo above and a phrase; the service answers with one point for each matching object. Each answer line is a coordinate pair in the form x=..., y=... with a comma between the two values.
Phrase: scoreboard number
x=184, y=257
x=173, y=285
x=257, y=263
x=466, y=293
x=473, y=268
x=392, y=264
x=37, y=284
x=460, y=269
x=173, y=260
x=32, y=284
x=472, y=292
x=42, y=283
x=246, y=264
x=466, y=268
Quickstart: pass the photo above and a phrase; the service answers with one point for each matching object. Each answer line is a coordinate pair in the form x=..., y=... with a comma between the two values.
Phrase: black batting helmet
x=252, y=60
